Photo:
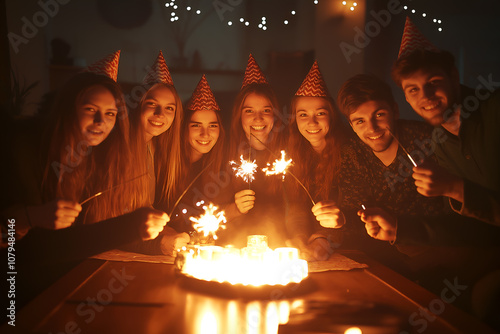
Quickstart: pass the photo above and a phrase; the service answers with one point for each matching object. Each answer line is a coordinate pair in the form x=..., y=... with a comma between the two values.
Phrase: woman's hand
x=328, y=214
x=171, y=241
x=54, y=215
x=151, y=222
x=244, y=200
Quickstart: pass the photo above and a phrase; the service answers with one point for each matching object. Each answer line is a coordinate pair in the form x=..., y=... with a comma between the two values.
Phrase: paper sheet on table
x=118, y=255
x=335, y=262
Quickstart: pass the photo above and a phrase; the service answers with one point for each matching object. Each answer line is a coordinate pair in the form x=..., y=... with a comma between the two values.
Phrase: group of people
x=101, y=177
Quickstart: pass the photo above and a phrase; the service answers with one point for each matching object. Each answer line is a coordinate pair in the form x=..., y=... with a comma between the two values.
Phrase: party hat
x=253, y=73
x=107, y=66
x=313, y=84
x=413, y=40
x=202, y=98
x=159, y=72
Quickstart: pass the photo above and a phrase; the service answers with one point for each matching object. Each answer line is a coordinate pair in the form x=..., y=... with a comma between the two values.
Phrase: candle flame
x=209, y=222
x=280, y=166
x=245, y=169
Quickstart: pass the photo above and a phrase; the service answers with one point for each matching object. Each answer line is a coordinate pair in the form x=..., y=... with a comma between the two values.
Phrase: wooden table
x=135, y=297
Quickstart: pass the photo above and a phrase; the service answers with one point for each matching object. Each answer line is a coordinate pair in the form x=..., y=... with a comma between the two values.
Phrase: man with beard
x=466, y=125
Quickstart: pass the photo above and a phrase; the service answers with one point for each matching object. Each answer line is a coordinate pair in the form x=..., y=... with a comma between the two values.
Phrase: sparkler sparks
x=280, y=166
x=209, y=222
x=245, y=169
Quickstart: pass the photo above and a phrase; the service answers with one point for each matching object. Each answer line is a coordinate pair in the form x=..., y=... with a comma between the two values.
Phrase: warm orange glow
x=254, y=265
x=245, y=169
x=209, y=222
x=280, y=166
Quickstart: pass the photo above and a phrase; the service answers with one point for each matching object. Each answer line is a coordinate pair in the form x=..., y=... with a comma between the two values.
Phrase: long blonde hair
x=167, y=149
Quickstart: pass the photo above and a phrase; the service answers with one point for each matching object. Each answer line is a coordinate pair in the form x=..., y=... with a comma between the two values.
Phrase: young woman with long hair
x=202, y=152
x=316, y=133
x=257, y=132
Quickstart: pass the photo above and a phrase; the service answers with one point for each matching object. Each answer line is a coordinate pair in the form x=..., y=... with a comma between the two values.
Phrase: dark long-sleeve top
x=300, y=221
x=364, y=179
x=267, y=217
x=475, y=154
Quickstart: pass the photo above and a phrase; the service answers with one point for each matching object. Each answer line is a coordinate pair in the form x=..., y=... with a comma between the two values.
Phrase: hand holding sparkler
x=244, y=200
x=172, y=241
x=296, y=179
x=328, y=214
x=434, y=180
x=379, y=224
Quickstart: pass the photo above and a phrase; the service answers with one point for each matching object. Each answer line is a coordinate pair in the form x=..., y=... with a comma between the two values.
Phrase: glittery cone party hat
x=413, y=40
x=159, y=72
x=202, y=98
x=313, y=84
x=253, y=73
x=107, y=66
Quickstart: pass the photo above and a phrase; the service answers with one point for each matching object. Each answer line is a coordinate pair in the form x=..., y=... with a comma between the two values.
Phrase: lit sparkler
x=209, y=222
x=245, y=169
x=296, y=179
x=280, y=166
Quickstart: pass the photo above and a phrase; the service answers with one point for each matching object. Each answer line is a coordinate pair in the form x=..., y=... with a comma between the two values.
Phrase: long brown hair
x=215, y=157
x=167, y=148
x=239, y=141
x=318, y=172
x=72, y=169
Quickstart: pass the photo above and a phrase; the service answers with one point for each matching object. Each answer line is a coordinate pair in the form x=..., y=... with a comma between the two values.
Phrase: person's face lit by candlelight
x=257, y=118
x=96, y=111
x=372, y=121
x=313, y=120
x=431, y=93
x=204, y=129
x=158, y=111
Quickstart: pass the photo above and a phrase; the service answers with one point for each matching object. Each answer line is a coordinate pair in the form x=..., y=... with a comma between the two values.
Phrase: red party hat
x=413, y=40
x=159, y=72
x=253, y=73
x=107, y=66
x=313, y=84
x=202, y=98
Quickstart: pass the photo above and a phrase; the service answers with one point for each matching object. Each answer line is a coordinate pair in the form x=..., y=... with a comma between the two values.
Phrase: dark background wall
x=57, y=41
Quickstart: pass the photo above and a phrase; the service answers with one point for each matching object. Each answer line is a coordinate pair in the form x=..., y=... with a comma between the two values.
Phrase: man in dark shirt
x=466, y=125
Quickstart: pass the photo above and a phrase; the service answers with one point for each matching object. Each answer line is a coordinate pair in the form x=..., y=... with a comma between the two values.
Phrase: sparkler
x=189, y=186
x=114, y=187
x=209, y=222
x=296, y=179
x=245, y=169
x=280, y=166
x=402, y=147
x=363, y=206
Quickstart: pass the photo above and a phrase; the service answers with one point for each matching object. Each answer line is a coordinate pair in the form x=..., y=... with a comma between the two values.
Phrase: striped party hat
x=202, y=98
x=159, y=72
x=313, y=84
x=413, y=40
x=253, y=73
x=107, y=66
